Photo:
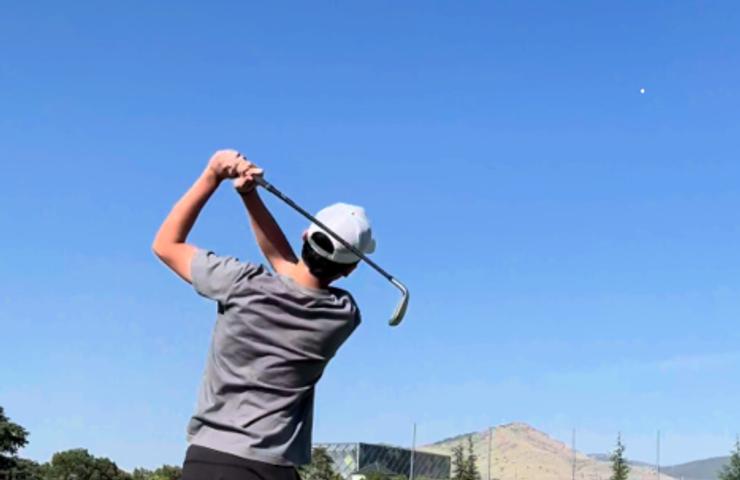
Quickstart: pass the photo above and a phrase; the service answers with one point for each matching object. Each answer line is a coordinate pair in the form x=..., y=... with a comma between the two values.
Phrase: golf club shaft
x=400, y=311
x=270, y=188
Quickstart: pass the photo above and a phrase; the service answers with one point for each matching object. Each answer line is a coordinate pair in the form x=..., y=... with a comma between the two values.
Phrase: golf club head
x=402, y=305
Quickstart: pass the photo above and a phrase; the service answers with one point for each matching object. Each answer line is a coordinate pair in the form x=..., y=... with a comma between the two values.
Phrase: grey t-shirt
x=271, y=342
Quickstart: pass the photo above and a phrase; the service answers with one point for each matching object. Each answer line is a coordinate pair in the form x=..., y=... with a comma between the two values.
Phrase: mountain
x=707, y=469
x=521, y=452
x=698, y=470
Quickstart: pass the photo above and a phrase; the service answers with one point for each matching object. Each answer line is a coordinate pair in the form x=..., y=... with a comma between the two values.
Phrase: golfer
x=275, y=331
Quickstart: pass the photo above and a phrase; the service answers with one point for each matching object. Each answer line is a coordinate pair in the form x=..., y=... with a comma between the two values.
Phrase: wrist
x=247, y=193
x=211, y=176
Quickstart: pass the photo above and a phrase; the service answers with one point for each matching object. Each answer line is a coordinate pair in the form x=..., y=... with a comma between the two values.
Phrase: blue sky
x=570, y=244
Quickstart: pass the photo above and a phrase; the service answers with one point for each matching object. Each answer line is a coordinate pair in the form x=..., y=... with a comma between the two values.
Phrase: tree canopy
x=731, y=471
x=75, y=464
x=620, y=469
x=165, y=472
x=13, y=437
x=465, y=467
x=79, y=464
x=471, y=463
x=320, y=468
x=458, y=462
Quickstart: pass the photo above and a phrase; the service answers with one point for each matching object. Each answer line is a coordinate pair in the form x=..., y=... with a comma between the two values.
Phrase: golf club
x=402, y=305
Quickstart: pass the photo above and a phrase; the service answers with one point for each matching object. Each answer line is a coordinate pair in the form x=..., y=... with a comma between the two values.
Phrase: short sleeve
x=214, y=276
x=356, y=313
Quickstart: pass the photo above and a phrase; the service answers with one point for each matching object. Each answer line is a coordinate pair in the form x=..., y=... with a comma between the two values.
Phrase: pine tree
x=471, y=467
x=458, y=463
x=620, y=469
x=13, y=437
x=731, y=471
x=320, y=468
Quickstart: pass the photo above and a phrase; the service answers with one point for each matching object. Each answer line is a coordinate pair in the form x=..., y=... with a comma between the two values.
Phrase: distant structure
x=356, y=460
x=657, y=455
x=573, y=447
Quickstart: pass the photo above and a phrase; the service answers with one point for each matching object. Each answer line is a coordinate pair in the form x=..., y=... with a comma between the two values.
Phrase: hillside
x=706, y=469
x=521, y=452
x=698, y=470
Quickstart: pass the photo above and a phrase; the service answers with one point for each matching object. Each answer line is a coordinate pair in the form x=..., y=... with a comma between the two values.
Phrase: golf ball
x=642, y=90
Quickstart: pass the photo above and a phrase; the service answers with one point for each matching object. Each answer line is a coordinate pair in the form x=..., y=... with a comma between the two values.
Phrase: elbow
x=166, y=251
x=158, y=249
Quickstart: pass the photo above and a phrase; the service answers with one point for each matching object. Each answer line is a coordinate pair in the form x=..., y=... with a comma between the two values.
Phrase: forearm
x=270, y=238
x=180, y=221
x=169, y=243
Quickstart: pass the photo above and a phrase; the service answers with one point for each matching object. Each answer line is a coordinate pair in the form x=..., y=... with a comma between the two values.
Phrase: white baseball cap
x=349, y=222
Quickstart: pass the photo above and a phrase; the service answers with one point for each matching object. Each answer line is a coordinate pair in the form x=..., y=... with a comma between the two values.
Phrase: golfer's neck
x=302, y=276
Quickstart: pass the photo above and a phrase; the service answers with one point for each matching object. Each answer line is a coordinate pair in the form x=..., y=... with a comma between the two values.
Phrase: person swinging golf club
x=274, y=333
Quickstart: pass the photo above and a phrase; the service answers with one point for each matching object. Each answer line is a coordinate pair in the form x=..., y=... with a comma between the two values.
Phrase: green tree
x=78, y=464
x=168, y=472
x=141, y=474
x=620, y=469
x=13, y=437
x=471, y=463
x=320, y=468
x=25, y=469
x=165, y=472
x=458, y=462
x=731, y=471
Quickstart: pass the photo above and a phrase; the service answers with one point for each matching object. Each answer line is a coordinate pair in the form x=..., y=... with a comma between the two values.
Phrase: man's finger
x=245, y=166
x=240, y=168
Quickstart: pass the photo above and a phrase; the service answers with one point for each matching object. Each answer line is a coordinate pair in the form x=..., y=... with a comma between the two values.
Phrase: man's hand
x=245, y=183
x=227, y=164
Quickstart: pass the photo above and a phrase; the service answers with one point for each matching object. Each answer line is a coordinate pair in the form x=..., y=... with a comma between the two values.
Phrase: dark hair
x=322, y=268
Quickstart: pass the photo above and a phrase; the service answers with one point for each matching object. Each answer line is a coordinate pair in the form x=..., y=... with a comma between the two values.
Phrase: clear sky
x=571, y=244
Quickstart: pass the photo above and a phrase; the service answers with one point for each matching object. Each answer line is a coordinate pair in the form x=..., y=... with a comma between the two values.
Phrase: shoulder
x=344, y=297
x=343, y=294
x=206, y=263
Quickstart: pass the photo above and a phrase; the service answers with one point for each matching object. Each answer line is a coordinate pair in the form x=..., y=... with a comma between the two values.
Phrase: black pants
x=206, y=464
